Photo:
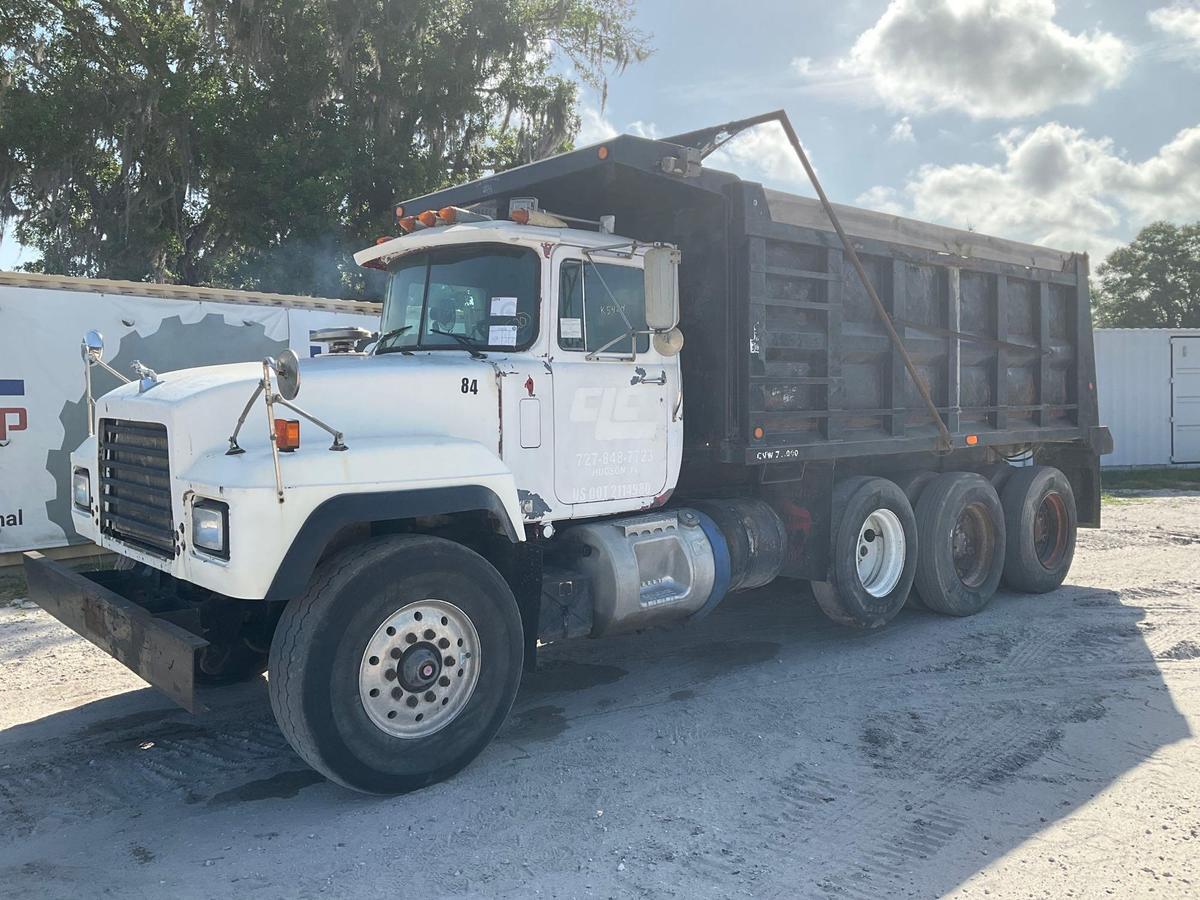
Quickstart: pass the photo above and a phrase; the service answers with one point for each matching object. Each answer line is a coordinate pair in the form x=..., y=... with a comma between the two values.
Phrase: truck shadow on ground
x=763, y=744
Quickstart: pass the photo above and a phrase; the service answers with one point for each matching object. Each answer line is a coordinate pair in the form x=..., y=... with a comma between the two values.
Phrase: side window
x=594, y=303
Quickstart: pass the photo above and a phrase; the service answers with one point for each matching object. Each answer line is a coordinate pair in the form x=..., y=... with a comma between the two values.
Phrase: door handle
x=640, y=377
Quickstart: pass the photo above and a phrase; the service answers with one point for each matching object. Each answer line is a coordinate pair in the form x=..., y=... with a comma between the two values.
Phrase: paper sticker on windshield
x=502, y=335
x=570, y=328
x=504, y=306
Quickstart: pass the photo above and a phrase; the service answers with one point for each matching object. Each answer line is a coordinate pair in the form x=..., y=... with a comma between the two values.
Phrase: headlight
x=81, y=489
x=210, y=527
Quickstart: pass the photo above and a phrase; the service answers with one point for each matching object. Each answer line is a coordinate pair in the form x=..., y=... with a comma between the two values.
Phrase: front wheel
x=398, y=665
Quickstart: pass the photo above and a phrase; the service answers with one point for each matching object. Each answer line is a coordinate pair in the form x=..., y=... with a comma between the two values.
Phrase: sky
x=1070, y=124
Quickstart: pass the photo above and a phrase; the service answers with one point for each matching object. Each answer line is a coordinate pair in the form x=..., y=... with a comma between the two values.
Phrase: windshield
x=476, y=296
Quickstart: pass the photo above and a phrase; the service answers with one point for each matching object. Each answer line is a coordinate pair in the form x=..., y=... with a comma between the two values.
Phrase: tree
x=257, y=143
x=1154, y=282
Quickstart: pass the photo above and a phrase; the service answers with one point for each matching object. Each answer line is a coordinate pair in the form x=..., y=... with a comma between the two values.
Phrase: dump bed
x=786, y=358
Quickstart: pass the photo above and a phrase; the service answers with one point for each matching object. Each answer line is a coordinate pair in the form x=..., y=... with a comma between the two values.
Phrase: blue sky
x=1070, y=123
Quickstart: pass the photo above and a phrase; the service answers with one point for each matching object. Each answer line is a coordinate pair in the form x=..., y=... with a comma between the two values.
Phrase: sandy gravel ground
x=1041, y=749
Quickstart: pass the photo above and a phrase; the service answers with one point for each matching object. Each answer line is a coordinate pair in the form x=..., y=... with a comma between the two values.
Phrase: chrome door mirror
x=93, y=345
x=662, y=288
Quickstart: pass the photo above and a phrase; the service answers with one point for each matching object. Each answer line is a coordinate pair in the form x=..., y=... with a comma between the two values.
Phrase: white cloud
x=593, y=127
x=762, y=152
x=902, y=132
x=802, y=65
x=1181, y=24
x=1056, y=186
x=987, y=58
x=643, y=129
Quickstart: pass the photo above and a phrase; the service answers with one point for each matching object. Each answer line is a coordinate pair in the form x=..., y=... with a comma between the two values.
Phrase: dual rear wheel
x=947, y=539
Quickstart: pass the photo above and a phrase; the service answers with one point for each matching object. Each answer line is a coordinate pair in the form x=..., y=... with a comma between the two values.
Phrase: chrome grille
x=135, y=485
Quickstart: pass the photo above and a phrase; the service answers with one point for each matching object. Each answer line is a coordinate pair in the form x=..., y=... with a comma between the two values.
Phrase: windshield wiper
x=467, y=344
x=387, y=336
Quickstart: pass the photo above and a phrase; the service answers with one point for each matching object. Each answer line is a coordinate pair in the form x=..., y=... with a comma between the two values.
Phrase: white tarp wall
x=42, y=416
x=1134, y=380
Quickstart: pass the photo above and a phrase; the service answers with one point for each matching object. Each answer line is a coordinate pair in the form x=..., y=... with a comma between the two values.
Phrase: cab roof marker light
x=455, y=215
x=428, y=218
x=536, y=217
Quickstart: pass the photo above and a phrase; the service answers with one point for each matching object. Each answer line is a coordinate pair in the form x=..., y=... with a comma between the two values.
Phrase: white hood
x=361, y=396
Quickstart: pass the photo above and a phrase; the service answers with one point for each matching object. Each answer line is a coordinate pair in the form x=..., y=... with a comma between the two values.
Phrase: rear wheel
x=398, y=665
x=1039, y=512
x=960, y=527
x=873, y=553
x=913, y=483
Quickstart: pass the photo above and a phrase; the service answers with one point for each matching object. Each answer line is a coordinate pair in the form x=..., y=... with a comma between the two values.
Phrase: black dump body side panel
x=782, y=337
x=998, y=344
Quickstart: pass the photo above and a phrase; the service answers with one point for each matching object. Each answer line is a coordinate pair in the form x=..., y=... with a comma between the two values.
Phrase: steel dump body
x=786, y=359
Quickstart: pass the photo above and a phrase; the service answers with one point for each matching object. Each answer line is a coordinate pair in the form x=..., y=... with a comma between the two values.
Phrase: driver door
x=610, y=405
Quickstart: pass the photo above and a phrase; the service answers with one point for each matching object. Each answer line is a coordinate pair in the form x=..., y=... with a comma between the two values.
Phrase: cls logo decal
x=12, y=418
x=619, y=414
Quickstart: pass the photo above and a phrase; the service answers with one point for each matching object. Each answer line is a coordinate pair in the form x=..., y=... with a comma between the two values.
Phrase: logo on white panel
x=618, y=413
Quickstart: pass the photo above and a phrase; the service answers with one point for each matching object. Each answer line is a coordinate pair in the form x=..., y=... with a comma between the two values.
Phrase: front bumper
x=155, y=649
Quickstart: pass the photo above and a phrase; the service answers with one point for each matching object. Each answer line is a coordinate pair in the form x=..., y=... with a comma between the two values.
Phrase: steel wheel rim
x=972, y=544
x=1050, y=530
x=419, y=670
x=880, y=552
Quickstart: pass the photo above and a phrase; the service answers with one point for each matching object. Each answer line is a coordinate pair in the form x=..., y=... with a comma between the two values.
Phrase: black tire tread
x=294, y=639
x=927, y=580
x=1022, y=573
x=827, y=594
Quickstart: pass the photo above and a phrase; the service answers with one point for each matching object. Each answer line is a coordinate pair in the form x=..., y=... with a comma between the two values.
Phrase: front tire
x=368, y=679
x=873, y=553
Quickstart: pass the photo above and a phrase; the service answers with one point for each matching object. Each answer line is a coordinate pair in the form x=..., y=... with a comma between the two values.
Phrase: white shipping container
x=42, y=415
x=1149, y=385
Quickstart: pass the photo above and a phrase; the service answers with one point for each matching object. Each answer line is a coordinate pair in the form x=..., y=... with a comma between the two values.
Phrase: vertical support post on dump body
x=953, y=300
x=897, y=376
x=1041, y=415
x=1087, y=409
x=835, y=398
x=1000, y=377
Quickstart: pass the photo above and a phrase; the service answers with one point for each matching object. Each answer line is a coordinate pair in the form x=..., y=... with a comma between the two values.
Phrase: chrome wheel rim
x=880, y=552
x=419, y=669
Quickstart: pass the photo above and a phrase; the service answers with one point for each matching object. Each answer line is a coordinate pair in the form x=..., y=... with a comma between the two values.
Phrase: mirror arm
x=620, y=337
x=337, y=435
x=91, y=359
x=234, y=449
x=96, y=361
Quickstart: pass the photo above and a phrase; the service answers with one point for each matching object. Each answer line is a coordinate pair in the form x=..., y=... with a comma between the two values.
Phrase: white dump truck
x=526, y=451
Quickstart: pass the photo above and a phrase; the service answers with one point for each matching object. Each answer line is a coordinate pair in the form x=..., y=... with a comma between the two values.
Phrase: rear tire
x=873, y=553
x=960, y=528
x=913, y=483
x=345, y=692
x=1040, y=515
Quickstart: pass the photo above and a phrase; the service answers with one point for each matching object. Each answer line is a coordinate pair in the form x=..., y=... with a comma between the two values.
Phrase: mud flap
x=156, y=650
